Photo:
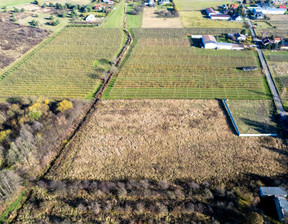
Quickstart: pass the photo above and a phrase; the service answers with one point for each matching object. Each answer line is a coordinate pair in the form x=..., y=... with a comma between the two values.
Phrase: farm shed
x=249, y=68
x=224, y=46
x=209, y=42
x=281, y=204
x=219, y=17
x=273, y=191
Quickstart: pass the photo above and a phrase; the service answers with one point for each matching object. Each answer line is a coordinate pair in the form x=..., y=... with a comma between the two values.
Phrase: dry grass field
x=16, y=40
x=166, y=140
x=151, y=20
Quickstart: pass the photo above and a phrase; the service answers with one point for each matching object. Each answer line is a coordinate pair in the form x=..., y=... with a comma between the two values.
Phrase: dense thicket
x=31, y=132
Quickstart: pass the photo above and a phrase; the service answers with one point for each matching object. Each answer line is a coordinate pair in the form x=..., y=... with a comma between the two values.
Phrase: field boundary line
x=236, y=127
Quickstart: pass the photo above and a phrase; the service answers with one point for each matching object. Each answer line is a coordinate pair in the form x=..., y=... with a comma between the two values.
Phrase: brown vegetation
x=16, y=39
x=166, y=139
x=31, y=132
x=152, y=20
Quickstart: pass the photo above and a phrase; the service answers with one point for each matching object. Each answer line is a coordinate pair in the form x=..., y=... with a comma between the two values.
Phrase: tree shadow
x=261, y=127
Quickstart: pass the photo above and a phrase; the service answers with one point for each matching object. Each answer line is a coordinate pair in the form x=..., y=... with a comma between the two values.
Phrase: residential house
x=164, y=2
x=209, y=42
x=265, y=41
x=220, y=17
x=277, y=40
x=237, y=18
x=240, y=37
x=234, y=6
x=278, y=2
x=90, y=18
x=258, y=15
x=150, y=3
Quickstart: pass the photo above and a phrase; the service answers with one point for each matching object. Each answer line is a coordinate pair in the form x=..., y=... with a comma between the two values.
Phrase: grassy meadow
x=115, y=19
x=164, y=65
x=254, y=116
x=65, y=66
x=133, y=21
x=191, y=15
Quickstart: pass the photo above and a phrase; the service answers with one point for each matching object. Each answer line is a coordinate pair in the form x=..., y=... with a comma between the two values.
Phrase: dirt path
x=151, y=20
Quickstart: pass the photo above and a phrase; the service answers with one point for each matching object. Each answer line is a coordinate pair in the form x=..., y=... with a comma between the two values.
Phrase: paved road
x=268, y=75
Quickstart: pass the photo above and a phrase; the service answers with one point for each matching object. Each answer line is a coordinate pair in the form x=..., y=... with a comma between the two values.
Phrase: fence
x=237, y=130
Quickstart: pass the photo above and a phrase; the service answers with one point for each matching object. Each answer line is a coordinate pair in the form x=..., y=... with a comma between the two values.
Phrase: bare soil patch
x=166, y=139
x=151, y=20
x=16, y=39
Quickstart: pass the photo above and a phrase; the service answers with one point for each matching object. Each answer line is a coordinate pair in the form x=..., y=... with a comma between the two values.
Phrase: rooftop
x=221, y=15
x=273, y=191
x=209, y=38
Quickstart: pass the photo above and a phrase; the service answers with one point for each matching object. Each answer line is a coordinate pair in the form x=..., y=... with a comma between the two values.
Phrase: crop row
x=157, y=70
x=64, y=67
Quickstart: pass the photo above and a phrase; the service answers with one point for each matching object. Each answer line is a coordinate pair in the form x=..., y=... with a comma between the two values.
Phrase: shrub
x=255, y=218
x=4, y=135
x=64, y=105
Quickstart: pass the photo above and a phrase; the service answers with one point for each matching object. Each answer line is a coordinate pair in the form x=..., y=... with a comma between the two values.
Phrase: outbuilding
x=273, y=191
x=220, y=17
x=281, y=204
x=210, y=11
x=209, y=42
x=90, y=18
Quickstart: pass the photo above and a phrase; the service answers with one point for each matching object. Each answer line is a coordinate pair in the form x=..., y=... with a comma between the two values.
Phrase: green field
x=65, y=66
x=254, y=116
x=133, y=21
x=115, y=19
x=191, y=16
x=278, y=64
x=6, y=3
x=166, y=66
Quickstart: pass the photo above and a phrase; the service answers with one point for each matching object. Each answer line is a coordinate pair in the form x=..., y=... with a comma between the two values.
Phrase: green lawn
x=7, y=3
x=191, y=16
x=133, y=21
x=254, y=116
x=115, y=19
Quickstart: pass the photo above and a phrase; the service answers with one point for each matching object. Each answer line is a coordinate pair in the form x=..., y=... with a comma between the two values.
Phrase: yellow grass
x=151, y=20
x=166, y=139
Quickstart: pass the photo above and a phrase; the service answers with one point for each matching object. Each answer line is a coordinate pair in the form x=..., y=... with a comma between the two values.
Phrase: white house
x=209, y=42
x=238, y=19
x=90, y=18
x=164, y=2
x=220, y=17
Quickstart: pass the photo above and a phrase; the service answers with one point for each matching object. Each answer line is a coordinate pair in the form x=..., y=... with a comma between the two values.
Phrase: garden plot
x=64, y=66
x=166, y=66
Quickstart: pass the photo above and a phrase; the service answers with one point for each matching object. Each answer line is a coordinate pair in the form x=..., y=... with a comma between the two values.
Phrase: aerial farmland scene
x=144, y=111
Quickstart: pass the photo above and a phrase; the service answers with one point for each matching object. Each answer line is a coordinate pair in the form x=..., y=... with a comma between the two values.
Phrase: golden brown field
x=166, y=140
x=151, y=20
